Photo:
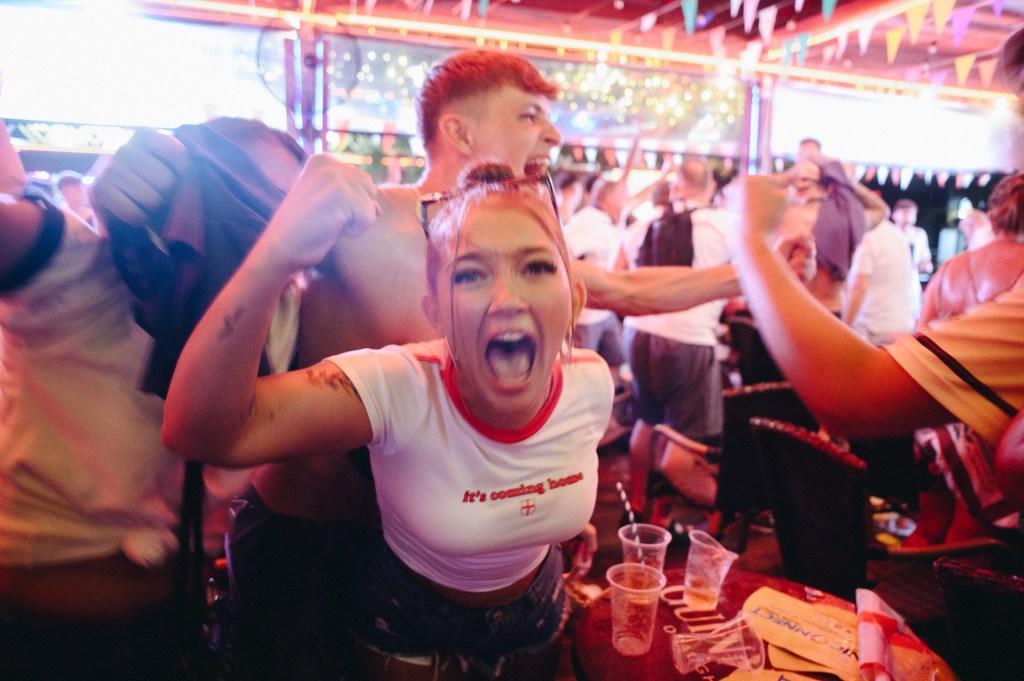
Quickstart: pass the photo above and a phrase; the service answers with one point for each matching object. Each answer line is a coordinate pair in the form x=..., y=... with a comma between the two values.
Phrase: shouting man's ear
x=456, y=128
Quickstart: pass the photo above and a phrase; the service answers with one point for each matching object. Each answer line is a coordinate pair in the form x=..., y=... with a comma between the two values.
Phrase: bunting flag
x=801, y=49
x=915, y=18
x=893, y=38
x=963, y=67
x=465, y=8
x=749, y=57
x=787, y=52
x=928, y=175
x=883, y=174
x=869, y=175
x=734, y=7
x=689, y=15
x=651, y=159
x=780, y=165
x=894, y=175
x=986, y=69
x=577, y=153
x=841, y=41
x=615, y=38
x=864, y=35
x=984, y=179
x=967, y=179
x=647, y=22
x=997, y=8
x=906, y=175
x=668, y=38
x=766, y=23
x=798, y=6
x=827, y=7
x=942, y=178
x=481, y=8
x=858, y=171
x=716, y=37
x=609, y=157
x=591, y=154
x=939, y=77
x=941, y=10
x=960, y=20
x=621, y=156
x=370, y=4
x=828, y=52
x=427, y=6
x=749, y=14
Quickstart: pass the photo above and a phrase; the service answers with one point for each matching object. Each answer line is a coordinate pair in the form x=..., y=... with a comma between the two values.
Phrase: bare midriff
x=479, y=599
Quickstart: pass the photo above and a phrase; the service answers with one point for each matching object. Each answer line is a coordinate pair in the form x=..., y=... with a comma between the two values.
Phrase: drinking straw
x=629, y=510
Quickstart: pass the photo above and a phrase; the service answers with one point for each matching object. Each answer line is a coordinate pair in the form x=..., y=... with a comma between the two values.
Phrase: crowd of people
x=399, y=390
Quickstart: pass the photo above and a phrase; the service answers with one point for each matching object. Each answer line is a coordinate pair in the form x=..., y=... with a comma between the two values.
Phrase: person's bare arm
x=12, y=172
x=217, y=410
x=875, y=209
x=852, y=387
x=652, y=290
x=930, y=300
x=857, y=291
x=1009, y=462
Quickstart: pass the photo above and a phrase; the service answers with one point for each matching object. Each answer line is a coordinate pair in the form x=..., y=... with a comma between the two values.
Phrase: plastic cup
x=635, y=591
x=707, y=563
x=647, y=547
x=733, y=646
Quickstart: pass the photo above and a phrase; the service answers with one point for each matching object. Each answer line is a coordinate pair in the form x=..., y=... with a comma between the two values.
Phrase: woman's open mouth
x=510, y=355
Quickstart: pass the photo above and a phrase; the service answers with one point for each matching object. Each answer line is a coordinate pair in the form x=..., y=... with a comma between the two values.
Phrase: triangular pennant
x=941, y=10
x=984, y=179
x=939, y=77
x=481, y=8
x=960, y=20
x=828, y=52
x=798, y=6
x=893, y=38
x=647, y=21
x=766, y=23
x=668, y=38
x=748, y=58
x=870, y=174
x=894, y=175
x=734, y=7
x=780, y=164
x=827, y=7
x=749, y=14
x=906, y=175
x=609, y=157
x=915, y=18
x=858, y=171
x=615, y=38
x=841, y=41
x=883, y=174
x=577, y=153
x=591, y=153
x=370, y=4
x=651, y=160
x=986, y=69
x=716, y=37
x=689, y=15
x=427, y=6
x=465, y=9
x=997, y=8
x=941, y=179
x=801, y=50
x=787, y=52
x=621, y=156
x=864, y=35
x=928, y=175
x=963, y=67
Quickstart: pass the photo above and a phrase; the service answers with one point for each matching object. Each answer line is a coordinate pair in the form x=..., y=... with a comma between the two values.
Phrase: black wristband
x=42, y=250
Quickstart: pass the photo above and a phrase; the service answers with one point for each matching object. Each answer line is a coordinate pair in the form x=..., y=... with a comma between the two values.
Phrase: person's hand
x=140, y=178
x=799, y=253
x=585, y=546
x=759, y=203
x=329, y=199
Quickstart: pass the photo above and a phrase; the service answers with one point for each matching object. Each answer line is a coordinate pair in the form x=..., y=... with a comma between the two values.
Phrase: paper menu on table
x=822, y=634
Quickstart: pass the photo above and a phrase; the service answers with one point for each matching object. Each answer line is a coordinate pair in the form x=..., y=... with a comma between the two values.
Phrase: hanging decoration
x=668, y=38
x=864, y=35
x=986, y=69
x=893, y=38
x=749, y=14
x=689, y=15
x=883, y=174
x=647, y=22
x=941, y=10
x=801, y=50
x=939, y=77
x=827, y=7
x=766, y=23
x=963, y=67
x=481, y=8
x=798, y=6
x=997, y=8
x=734, y=7
x=716, y=37
x=915, y=19
x=841, y=41
x=960, y=20
x=465, y=8
x=828, y=52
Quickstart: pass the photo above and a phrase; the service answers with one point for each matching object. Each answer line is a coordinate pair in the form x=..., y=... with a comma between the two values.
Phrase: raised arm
x=217, y=409
x=875, y=209
x=852, y=387
x=651, y=290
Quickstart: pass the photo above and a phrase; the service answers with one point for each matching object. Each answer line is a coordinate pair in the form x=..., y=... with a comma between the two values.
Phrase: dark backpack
x=669, y=241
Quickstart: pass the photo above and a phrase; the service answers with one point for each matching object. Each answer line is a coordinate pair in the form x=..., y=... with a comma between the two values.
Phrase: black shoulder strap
x=962, y=372
x=42, y=248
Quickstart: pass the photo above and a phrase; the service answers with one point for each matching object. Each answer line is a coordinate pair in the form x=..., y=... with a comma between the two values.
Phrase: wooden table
x=594, y=658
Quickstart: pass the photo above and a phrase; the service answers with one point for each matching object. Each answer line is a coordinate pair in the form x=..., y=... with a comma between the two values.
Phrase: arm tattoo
x=229, y=323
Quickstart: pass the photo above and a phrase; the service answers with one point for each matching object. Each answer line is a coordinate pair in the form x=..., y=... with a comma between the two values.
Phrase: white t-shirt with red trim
x=466, y=505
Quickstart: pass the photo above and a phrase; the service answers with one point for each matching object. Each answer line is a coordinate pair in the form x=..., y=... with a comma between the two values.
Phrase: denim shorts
x=398, y=616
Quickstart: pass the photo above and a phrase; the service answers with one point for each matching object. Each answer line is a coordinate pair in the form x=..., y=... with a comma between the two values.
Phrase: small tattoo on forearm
x=229, y=323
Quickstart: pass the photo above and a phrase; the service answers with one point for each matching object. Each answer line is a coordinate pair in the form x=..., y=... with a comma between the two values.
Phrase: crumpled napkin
x=888, y=649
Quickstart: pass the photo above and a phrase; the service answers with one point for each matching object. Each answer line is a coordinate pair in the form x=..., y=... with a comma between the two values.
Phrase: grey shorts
x=399, y=616
x=676, y=383
x=604, y=338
